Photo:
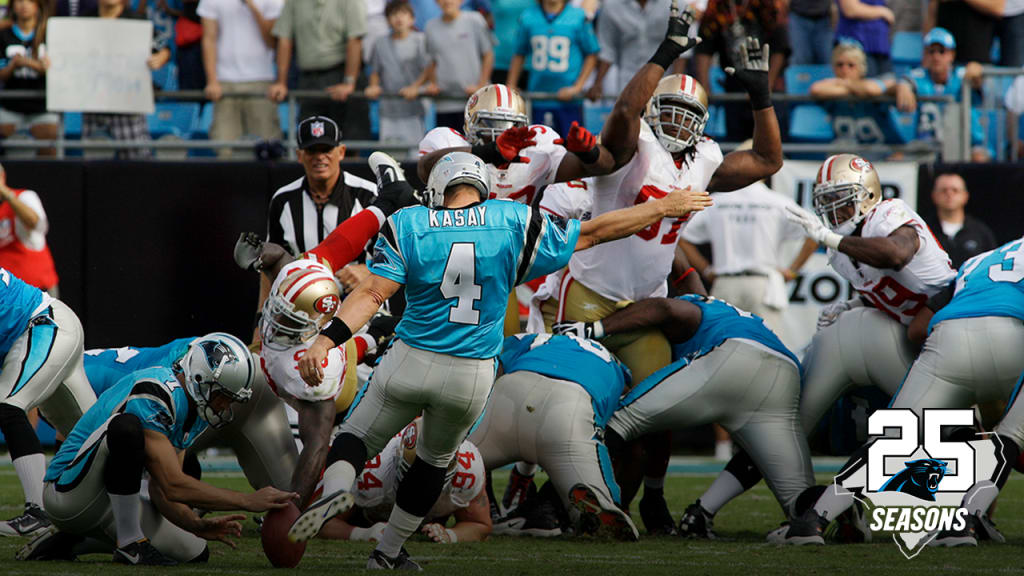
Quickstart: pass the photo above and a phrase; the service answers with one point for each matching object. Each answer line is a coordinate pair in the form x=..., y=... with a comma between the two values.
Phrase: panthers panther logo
x=919, y=479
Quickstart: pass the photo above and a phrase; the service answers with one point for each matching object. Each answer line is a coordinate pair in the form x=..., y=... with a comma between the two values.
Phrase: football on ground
x=281, y=552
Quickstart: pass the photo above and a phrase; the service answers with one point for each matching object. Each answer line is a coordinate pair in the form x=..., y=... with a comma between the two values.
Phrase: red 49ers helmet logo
x=409, y=436
x=326, y=304
x=860, y=165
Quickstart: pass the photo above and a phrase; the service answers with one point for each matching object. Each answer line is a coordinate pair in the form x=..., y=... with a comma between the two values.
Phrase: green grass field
x=742, y=550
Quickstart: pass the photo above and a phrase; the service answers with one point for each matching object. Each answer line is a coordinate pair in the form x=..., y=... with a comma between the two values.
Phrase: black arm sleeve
x=939, y=300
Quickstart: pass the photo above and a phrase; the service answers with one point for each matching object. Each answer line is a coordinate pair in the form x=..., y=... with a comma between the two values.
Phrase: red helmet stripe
x=296, y=293
x=687, y=84
x=497, y=93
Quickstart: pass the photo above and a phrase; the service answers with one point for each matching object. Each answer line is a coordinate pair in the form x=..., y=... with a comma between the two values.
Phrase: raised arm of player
x=165, y=469
x=627, y=221
x=622, y=129
x=742, y=168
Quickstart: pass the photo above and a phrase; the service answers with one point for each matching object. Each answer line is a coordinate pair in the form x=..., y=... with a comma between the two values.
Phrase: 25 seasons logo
x=917, y=472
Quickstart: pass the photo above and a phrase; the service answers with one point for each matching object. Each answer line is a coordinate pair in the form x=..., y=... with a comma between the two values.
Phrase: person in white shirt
x=747, y=229
x=238, y=56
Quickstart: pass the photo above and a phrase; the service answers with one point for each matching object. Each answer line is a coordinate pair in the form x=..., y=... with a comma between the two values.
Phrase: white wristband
x=598, y=330
x=832, y=240
x=452, y=536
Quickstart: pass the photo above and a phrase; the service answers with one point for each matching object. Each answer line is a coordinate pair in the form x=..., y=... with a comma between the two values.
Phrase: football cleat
x=520, y=486
x=697, y=523
x=966, y=536
x=985, y=528
x=589, y=517
x=656, y=516
x=809, y=528
x=31, y=522
x=312, y=519
x=385, y=168
x=142, y=553
x=536, y=517
x=50, y=544
x=378, y=561
x=778, y=536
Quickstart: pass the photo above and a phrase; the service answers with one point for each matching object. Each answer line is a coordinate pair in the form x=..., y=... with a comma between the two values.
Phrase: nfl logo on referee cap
x=316, y=129
x=913, y=481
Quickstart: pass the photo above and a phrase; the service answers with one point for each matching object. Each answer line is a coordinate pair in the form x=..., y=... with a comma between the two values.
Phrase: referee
x=305, y=211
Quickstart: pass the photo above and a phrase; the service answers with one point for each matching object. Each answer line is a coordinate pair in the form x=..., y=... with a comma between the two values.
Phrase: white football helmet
x=846, y=189
x=303, y=302
x=457, y=168
x=678, y=112
x=491, y=110
x=217, y=363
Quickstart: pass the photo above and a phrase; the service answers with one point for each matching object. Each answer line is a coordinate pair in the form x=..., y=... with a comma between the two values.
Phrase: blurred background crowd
x=871, y=72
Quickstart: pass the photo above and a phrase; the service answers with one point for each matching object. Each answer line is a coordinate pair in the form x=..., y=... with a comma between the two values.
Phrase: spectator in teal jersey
x=563, y=48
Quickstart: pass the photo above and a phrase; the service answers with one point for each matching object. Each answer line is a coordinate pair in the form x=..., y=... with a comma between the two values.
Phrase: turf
x=741, y=550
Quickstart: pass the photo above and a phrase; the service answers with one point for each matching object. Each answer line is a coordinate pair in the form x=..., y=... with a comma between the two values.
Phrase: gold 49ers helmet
x=304, y=300
x=678, y=112
x=846, y=189
x=493, y=109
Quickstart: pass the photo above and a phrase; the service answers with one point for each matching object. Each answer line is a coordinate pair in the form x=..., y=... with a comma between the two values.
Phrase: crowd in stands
x=407, y=55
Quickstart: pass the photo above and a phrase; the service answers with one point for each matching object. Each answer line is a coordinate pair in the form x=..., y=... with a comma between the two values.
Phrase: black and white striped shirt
x=298, y=224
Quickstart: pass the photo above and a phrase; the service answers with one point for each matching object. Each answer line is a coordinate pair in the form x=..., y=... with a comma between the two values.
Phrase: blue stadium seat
x=201, y=131
x=375, y=119
x=177, y=118
x=283, y=119
x=594, y=116
x=904, y=123
x=993, y=122
x=166, y=78
x=810, y=123
x=800, y=77
x=907, y=48
x=715, y=128
x=73, y=125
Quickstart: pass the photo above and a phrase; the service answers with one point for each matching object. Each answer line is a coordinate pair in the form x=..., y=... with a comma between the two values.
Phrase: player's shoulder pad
x=709, y=150
x=544, y=135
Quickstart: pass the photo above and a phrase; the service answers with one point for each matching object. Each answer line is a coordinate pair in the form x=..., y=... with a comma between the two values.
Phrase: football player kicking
x=304, y=296
x=258, y=434
x=886, y=251
x=144, y=424
x=727, y=367
x=655, y=133
x=458, y=257
x=972, y=356
x=550, y=407
x=40, y=365
x=464, y=496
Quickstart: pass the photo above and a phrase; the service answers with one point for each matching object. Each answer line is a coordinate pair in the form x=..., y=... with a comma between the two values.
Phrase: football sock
x=127, y=509
x=725, y=487
x=339, y=476
x=401, y=525
x=831, y=503
x=341, y=472
x=31, y=469
x=526, y=468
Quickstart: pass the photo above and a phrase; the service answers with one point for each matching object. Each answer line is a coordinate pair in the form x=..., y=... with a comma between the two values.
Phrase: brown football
x=281, y=552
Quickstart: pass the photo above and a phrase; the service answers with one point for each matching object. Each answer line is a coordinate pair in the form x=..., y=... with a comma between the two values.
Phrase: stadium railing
x=1002, y=124
x=917, y=149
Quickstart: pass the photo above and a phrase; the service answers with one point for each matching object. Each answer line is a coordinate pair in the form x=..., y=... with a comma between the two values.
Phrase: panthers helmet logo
x=217, y=353
x=920, y=479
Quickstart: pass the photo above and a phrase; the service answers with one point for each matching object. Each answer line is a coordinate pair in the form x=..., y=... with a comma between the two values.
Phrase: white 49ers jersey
x=571, y=199
x=517, y=181
x=377, y=486
x=898, y=293
x=636, y=267
x=282, y=370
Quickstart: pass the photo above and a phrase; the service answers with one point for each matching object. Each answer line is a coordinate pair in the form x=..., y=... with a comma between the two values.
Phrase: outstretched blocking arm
x=889, y=252
x=622, y=129
x=315, y=422
x=677, y=319
x=627, y=221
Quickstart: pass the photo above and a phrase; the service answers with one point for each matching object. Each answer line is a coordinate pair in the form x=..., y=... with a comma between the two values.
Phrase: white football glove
x=813, y=226
x=831, y=312
x=588, y=330
x=440, y=534
x=371, y=534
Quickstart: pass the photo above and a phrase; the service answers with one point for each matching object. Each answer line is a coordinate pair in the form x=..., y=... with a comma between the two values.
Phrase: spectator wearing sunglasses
x=938, y=76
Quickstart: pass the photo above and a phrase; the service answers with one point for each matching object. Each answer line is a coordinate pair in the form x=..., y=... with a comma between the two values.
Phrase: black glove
x=382, y=327
x=588, y=330
x=248, y=249
x=752, y=73
x=676, y=40
x=395, y=195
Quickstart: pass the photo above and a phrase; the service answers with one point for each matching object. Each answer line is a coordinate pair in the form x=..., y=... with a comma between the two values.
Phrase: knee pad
x=420, y=487
x=127, y=446
x=20, y=436
x=743, y=468
x=350, y=448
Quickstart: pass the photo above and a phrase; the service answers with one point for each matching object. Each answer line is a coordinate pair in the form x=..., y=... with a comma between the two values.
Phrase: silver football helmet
x=457, y=168
x=217, y=363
